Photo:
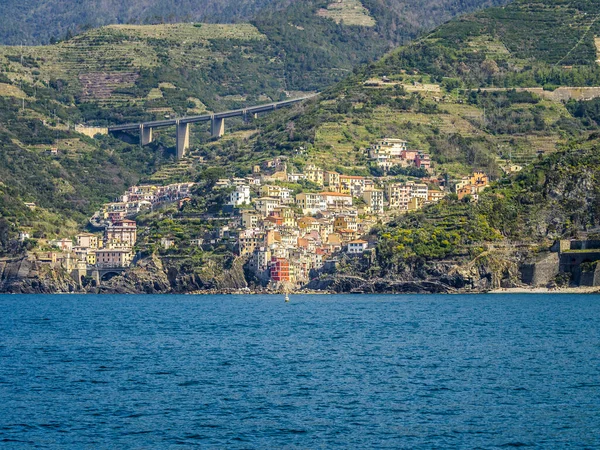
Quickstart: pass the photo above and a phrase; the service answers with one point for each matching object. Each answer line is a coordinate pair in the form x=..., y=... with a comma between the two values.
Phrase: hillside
x=476, y=92
x=34, y=22
x=123, y=73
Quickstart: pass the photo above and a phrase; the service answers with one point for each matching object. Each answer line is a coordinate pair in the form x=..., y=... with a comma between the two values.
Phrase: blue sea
x=254, y=372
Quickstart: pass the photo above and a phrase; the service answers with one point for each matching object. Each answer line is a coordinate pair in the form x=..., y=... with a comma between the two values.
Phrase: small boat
x=287, y=297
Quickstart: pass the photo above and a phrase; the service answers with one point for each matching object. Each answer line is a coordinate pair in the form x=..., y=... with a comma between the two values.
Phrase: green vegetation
x=554, y=198
x=454, y=94
x=65, y=188
x=523, y=44
x=44, y=21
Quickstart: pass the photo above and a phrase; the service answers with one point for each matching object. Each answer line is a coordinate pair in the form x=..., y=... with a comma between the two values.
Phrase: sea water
x=344, y=371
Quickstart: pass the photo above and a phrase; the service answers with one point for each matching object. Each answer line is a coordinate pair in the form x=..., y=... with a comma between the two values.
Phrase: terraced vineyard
x=350, y=12
x=103, y=65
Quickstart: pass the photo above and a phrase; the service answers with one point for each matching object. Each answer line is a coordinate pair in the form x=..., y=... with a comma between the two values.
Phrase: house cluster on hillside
x=286, y=233
x=112, y=250
x=472, y=185
x=139, y=198
x=388, y=153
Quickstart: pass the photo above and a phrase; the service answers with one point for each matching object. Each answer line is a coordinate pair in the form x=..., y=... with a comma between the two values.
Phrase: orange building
x=280, y=269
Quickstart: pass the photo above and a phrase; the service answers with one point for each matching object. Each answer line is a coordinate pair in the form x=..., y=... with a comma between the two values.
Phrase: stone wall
x=561, y=94
x=541, y=272
x=90, y=131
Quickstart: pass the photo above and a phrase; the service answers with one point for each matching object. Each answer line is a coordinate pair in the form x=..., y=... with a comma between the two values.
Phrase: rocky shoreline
x=153, y=275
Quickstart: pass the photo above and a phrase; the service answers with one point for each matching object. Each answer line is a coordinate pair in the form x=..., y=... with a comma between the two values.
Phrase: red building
x=423, y=161
x=280, y=269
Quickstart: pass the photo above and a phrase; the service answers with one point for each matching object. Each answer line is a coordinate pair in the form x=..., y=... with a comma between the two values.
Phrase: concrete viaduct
x=182, y=125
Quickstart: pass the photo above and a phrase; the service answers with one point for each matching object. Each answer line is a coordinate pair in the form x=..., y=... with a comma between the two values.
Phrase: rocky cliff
x=24, y=275
x=154, y=275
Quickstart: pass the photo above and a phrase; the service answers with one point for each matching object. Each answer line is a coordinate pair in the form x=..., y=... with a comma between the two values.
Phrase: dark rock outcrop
x=24, y=275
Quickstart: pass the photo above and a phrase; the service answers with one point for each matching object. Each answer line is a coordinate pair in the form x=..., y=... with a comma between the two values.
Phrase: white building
x=266, y=205
x=419, y=190
x=357, y=247
x=393, y=148
x=336, y=199
x=241, y=195
x=66, y=245
x=167, y=243
x=310, y=203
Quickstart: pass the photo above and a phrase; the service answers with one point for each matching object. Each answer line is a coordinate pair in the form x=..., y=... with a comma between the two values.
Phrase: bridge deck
x=208, y=117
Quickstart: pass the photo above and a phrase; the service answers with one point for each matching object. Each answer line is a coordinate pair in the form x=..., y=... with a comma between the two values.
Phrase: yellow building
x=332, y=179
x=91, y=258
x=352, y=185
x=314, y=174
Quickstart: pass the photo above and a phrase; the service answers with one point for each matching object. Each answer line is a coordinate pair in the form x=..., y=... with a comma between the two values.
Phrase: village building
x=124, y=231
x=388, y=146
x=314, y=174
x=435, y=195
x=266, y=205
x=113, y=258
x=307, y=224
x=345, y=223
x=472, y=185
x=356, y=247
x=240, y=196
x=415, y=203
x=280, y=270
x=310, y=203
x=353, y=185
x=419, y=190
x=167, y=243
x=398, y=195
x=65, y=245
x=374, y=200
x=423, y=161
x=295, y=177
x=283, y=193
x=331, y=179
x=197, y=242
x=250, y=219
x=259, y=262
x=336, y=200
x=87, y=240
x=249, y=240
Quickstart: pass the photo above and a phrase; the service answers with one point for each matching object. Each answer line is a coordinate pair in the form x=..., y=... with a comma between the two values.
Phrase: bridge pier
x=146, y=135
x=96, y=276
x=248, y=115
x=217, y=127
x=182, y=138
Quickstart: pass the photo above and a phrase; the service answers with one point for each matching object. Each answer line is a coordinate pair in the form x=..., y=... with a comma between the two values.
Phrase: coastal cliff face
x=155, y=275
x=22, y=275
x=490, y=270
